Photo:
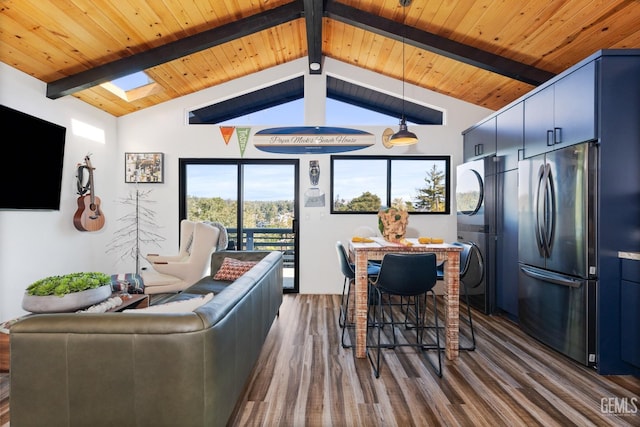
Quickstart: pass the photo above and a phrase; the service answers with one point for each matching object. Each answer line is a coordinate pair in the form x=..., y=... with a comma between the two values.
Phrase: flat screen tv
x=31, y=176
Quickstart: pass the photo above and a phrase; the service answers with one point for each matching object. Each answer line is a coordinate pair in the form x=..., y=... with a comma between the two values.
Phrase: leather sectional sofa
x=147, y=369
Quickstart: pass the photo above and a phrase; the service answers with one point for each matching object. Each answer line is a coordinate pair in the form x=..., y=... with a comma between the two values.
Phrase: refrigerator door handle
x=551, y=277
x=539, y=230
x=550, y=211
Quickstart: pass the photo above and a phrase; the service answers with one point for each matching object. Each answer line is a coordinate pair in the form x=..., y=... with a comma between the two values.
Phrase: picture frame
x=144, y=168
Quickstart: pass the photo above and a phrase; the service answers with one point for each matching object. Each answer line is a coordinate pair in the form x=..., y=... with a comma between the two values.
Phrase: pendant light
x=403, y=136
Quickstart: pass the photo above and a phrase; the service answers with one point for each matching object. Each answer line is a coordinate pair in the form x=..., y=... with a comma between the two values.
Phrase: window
x=255, y=199
x=343, y=114
x=337, y=114
x=273, y=116
x=345, y=104
x=362, y=184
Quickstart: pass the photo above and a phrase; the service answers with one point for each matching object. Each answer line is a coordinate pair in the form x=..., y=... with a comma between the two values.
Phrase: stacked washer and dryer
x=476, y=217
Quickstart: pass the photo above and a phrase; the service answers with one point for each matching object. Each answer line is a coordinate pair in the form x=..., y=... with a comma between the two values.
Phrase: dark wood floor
x=304, y=377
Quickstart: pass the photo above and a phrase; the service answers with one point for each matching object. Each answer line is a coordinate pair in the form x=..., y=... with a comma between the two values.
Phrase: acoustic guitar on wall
x=89, y=215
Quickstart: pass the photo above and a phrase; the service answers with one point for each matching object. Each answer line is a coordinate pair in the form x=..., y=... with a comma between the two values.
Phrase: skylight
x=133, y=81
x=133, y=86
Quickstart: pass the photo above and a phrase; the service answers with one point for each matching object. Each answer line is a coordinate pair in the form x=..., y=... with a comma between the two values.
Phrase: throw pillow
x=232, y=268
x=132, y=282
x=182, y=306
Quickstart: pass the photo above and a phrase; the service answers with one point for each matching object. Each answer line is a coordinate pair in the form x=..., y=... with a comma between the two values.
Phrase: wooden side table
x=4, y=352
x=4, y=343
x=134, y=301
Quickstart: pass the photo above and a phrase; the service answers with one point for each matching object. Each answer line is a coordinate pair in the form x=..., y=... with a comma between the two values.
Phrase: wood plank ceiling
x=486, y=52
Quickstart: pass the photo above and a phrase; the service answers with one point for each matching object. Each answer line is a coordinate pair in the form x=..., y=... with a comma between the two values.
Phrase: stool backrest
x=407, y=274
x=343, y=260
x=471, y=264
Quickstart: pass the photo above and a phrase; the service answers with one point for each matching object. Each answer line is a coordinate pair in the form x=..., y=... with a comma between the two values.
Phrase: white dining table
x=362, y=252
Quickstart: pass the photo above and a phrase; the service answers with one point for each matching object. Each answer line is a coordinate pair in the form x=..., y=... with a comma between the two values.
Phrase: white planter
x=67, y=303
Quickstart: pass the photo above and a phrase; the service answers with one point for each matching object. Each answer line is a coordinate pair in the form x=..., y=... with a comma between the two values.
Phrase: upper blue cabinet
x=509, y=137
x=480, y=141
x=561, y=114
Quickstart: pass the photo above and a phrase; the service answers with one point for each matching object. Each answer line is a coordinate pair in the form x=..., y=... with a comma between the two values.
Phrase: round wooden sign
x=385, y=137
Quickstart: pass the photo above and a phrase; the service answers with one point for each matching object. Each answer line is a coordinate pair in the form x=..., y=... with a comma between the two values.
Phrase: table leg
x=452, y=305
x=361, y=303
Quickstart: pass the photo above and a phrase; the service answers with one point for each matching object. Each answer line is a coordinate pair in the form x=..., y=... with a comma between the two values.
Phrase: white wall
x=38, y=244
x=162, y=128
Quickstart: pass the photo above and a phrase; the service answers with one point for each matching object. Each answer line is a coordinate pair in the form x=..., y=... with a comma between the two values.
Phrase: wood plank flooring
x=305, y=378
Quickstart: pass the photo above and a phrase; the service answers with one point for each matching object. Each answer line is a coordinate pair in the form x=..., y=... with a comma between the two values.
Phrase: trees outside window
x=364, y=184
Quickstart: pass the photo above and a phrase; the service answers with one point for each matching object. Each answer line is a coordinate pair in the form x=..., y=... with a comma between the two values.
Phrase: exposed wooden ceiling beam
x=436, y=44
x=313, y=12
x=174, y=50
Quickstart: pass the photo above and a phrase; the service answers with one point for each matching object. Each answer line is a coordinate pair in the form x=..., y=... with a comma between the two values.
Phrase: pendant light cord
x=403, y=136
x=404, y=19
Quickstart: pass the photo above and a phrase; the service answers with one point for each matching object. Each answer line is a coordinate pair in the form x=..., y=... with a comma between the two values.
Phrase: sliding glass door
x=256, y=200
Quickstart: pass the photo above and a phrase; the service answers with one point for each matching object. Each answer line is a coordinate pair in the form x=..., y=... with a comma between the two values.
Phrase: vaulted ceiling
x=486, y=52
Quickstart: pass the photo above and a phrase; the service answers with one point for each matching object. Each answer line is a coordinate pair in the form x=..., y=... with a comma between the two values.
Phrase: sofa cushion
x=231, y=269
x=181, y=306
x=206, y=285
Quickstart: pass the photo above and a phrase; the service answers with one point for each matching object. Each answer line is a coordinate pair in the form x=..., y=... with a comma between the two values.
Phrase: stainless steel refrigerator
x=557, y=222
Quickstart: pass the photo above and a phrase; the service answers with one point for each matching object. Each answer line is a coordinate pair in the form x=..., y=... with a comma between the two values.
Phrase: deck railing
x=266, y=239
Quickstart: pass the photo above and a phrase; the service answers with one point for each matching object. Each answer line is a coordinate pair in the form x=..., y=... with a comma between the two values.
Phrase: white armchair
x=198, y=240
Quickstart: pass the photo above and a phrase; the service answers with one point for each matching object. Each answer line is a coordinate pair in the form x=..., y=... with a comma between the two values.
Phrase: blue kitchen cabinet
x=630, y=312
x=561, y=114
x=480, y=141
x=509, y=145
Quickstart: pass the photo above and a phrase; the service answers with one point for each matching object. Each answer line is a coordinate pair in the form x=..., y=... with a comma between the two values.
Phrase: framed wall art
x=144, y=168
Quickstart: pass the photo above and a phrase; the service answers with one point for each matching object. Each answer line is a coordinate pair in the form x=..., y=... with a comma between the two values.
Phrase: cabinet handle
x=557, y=135
x=549, y=138
x=478, y=149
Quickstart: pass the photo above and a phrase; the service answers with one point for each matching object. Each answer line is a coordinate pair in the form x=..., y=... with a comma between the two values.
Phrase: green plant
x=68, y=283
